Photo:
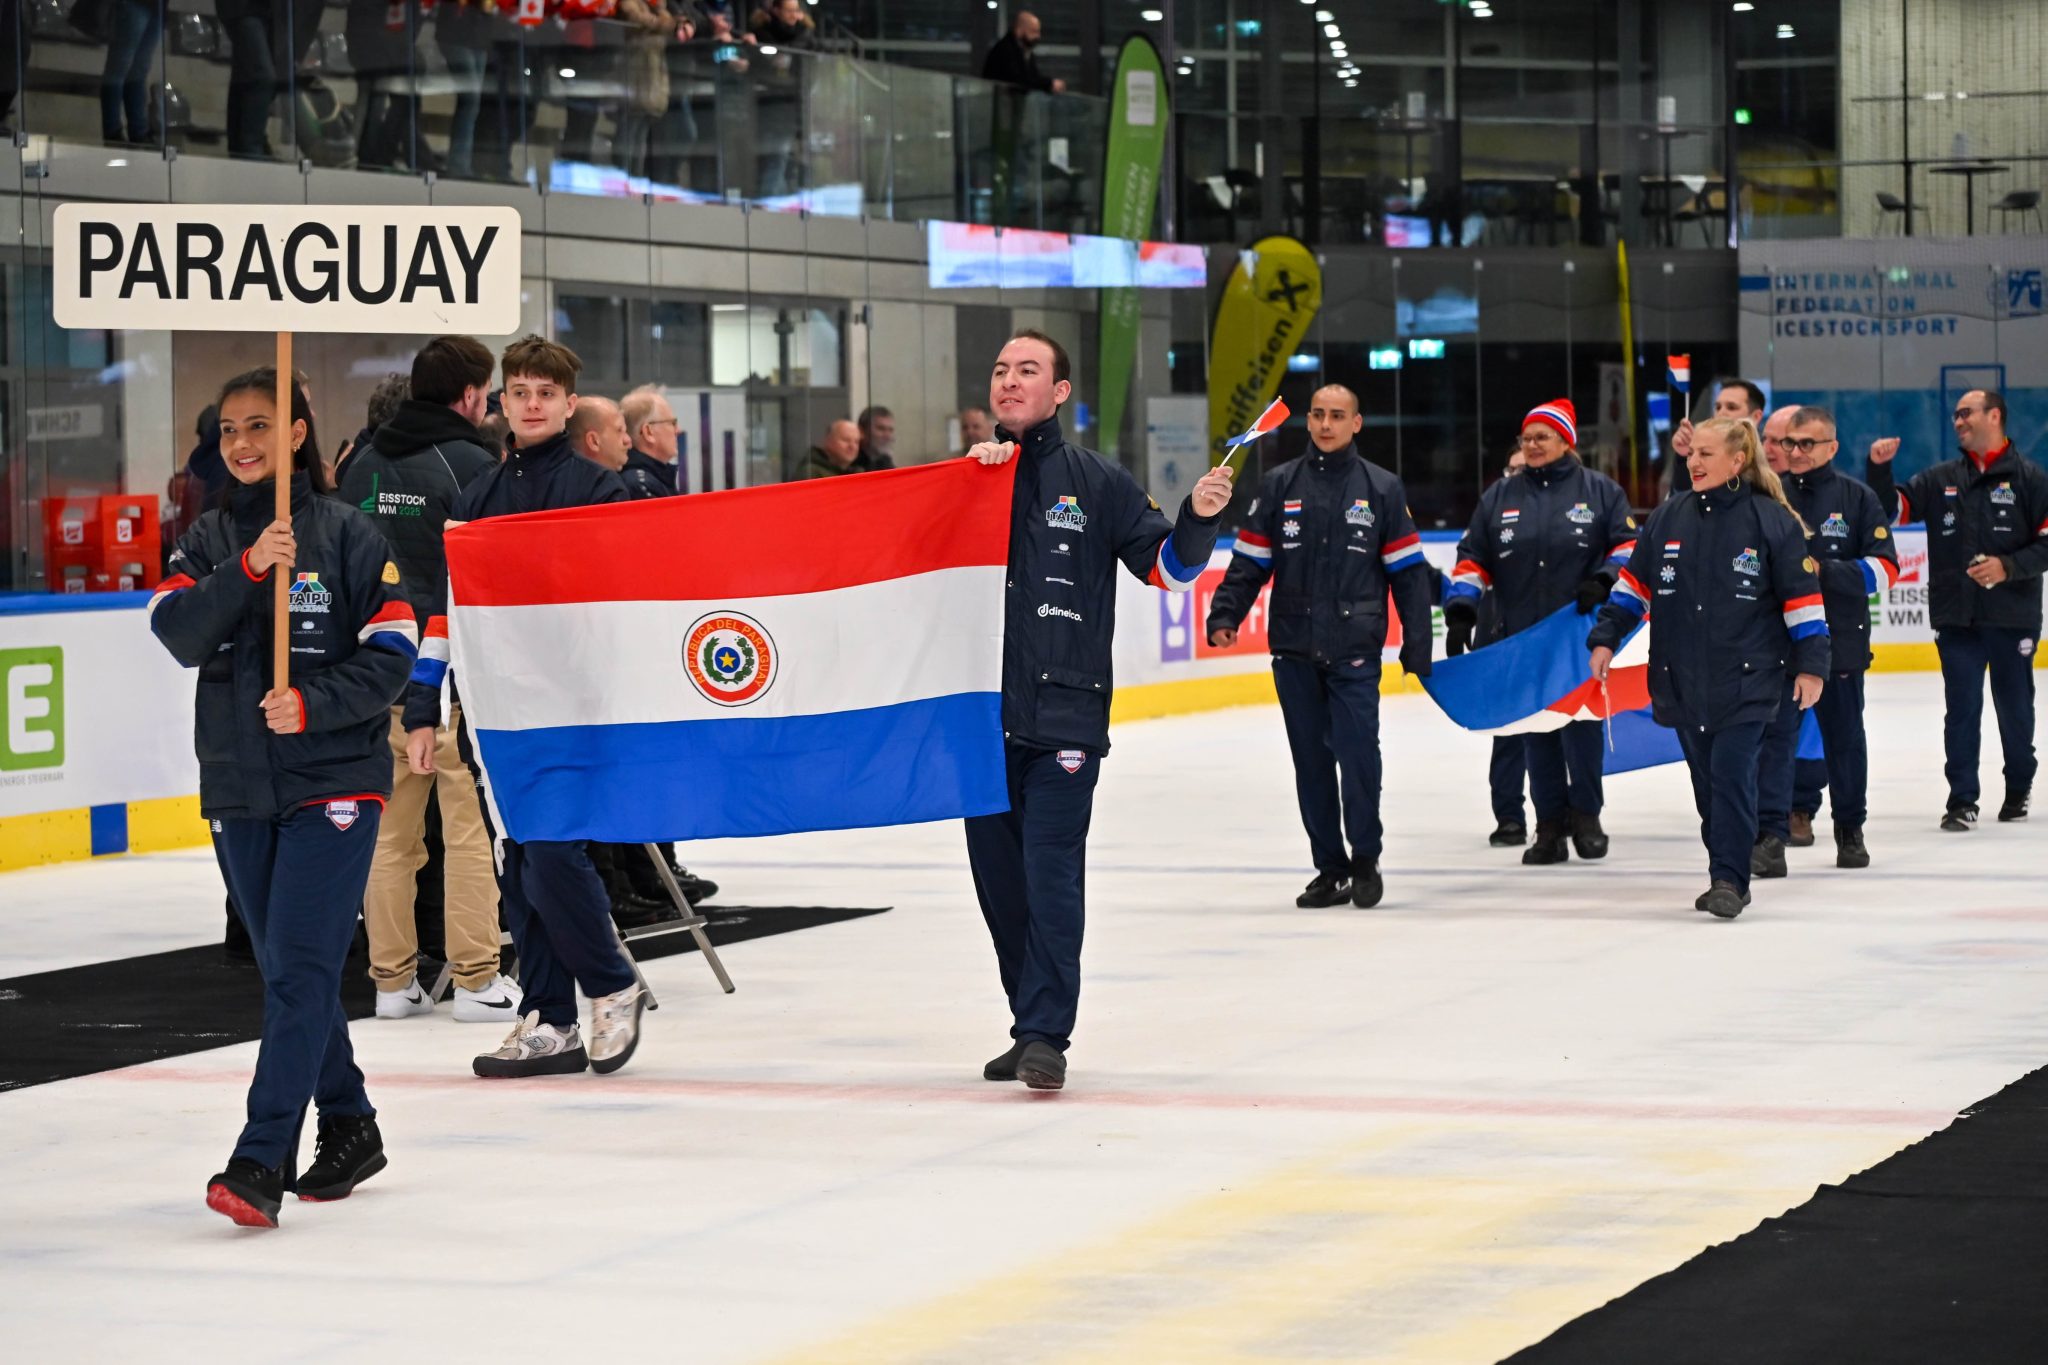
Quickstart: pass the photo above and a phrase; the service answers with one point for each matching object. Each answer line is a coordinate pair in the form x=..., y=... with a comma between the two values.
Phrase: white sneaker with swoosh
x=403, y=1004
x=493, y=1004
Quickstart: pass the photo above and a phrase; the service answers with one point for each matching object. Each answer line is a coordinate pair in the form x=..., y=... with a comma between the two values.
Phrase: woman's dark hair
x=307, y=457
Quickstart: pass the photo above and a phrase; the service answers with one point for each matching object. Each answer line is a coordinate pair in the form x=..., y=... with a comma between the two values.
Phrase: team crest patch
x=1882, y=533
x=1580, y=515
x=308, y=594
x=2002, y=495
x=1749, y=564
x=1070, y=759
x=730, y=658
x=1808, y=565
x=342, y=814
x=390, y=573
x=1066, y=514
x=1835, y=527
x=1359, y=513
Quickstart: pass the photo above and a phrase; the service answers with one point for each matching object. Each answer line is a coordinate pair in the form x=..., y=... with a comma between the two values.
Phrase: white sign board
x=287, y=268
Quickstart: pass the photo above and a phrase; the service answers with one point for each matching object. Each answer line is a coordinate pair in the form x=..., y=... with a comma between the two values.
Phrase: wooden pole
x=281, y=620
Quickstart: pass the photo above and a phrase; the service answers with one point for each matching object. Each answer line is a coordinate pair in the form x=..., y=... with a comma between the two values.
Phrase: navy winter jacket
x=353, y=641
x=1535, y=538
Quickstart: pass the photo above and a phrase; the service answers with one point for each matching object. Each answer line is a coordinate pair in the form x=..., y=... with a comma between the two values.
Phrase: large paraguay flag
x=1542, y=679
x=818, y=655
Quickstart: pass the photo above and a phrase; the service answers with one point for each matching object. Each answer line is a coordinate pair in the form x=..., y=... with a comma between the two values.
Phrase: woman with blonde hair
x=1724, y=571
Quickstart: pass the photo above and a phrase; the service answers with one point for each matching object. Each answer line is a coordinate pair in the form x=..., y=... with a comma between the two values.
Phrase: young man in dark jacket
x=407, y=478
x=555, y=903
x=1987, y=547
x=1075, y=516
x=1332, y=530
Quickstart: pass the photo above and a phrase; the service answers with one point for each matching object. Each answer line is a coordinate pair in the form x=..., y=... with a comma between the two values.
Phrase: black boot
x=350, y=1151
x=1366, y=886
x=1328, y=889
x=1004, y=1068
x=1960, y=818
x=247, y=1193
x=1588, y=839
x=1802, y=830
x=2015, y=807
x=1041, y=1066
x=1509, y=834
x=1767, y=857
x=631, y=910
x=1722, y=901
x=1849, y=850
x=1552, y=844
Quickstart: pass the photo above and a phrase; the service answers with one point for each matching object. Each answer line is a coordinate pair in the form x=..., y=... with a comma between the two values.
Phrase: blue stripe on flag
x=1514, y=678
x=1810, y=745
x=939, y=759
x=1640, y=742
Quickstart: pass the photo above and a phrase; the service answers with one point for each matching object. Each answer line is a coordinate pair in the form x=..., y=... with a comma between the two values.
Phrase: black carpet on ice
x=1939, y=1253
x=82, y=1020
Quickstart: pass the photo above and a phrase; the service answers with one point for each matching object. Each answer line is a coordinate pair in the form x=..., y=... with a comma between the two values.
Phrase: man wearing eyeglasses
x=650, y=470
x=1855, y=556
x=1987, y=546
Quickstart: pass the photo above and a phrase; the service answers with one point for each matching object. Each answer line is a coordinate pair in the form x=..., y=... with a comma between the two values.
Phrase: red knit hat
x=1559, y=415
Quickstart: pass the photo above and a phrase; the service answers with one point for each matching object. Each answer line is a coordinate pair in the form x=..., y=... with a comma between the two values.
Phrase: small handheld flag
x=1681, y=373
x=1269, y=421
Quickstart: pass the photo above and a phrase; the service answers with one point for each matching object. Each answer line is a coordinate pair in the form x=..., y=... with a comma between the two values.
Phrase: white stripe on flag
x=621, y=663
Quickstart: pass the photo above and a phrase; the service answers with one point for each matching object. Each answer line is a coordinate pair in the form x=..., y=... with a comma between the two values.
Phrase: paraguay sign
x=287, y=267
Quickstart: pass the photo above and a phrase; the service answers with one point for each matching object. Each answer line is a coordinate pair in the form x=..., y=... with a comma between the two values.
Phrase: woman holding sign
x=293, y=772
x=1738, y=606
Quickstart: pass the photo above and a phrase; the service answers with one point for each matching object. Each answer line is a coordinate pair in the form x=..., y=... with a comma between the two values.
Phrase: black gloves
x=1592, y=592
x=1415, y=656
x=1461, y=618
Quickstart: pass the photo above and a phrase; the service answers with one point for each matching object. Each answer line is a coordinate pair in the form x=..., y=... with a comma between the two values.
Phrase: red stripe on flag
x=1628, y=687
x=752, y=542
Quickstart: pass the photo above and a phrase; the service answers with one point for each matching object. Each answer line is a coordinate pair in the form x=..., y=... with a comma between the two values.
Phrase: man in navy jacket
x=1074, y=517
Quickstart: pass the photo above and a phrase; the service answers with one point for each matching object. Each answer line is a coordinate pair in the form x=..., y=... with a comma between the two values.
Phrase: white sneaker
x=614, y=1029
x=535, y=1049
x=494, y=1004
x=403, y=1004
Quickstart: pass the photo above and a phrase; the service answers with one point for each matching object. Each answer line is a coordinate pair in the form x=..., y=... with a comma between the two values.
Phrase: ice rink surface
x=1430, y=1132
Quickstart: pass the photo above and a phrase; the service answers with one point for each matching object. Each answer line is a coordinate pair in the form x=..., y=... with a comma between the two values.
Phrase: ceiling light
x=1151, y=16
x=1332, y=31
x=1351, y=85
x=1323, y=16
x=567, y=73
x=1743, y=6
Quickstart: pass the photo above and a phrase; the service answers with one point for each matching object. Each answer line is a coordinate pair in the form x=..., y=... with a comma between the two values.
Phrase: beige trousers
x=467, y=876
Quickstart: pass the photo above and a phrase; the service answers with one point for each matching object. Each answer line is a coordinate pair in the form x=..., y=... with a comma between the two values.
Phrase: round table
x=1970, y=170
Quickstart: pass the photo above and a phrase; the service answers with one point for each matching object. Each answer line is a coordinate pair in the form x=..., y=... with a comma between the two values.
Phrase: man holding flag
x=1074, y=517
x=1332, y=530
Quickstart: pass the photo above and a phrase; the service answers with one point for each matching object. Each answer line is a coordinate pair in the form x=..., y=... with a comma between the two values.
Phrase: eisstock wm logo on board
x=31, y=709
x=730, y=658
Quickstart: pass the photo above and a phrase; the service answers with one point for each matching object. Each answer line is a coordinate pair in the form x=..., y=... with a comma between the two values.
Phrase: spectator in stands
x=462, y=30
x=197, y=484
x=266, y=36
x=651, y=424
x=133, y=28
x=1013, y=61
x=975, y=427
x=597, y=432
x=391, y=392
x=783, y=27
x=877, y=438
x=406, y=477
x=653, y=27
x=838, y=452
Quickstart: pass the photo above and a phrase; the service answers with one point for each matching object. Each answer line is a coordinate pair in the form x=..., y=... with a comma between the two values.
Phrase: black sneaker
x=1552, y=845
x=1722, y=901
x=2015, y=807
x=1366, y=886
x=1004, y=1068
x=1041, y=1066
x=696, y=890
x=1767, y=857
x=246, y=1193
x=350, y=1151
x=1328, y=889
x=1589, y=841
x=631, y=911
x=1849, y=849
x=1508, y=834
x=1960, y=818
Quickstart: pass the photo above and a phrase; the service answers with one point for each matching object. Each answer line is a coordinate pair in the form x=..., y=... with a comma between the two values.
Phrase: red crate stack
x=107, y=543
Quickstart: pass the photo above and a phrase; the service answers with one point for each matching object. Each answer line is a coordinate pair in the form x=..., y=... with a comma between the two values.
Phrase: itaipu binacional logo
x=730, y=658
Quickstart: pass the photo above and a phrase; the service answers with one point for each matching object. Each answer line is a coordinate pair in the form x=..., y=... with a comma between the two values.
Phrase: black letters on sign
x=140, y=272
x=417, y=279
x=92, y=263
x=356, y=287
x=255, y=251
x=472, y=265
x=206, y=263
x=327, y=271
